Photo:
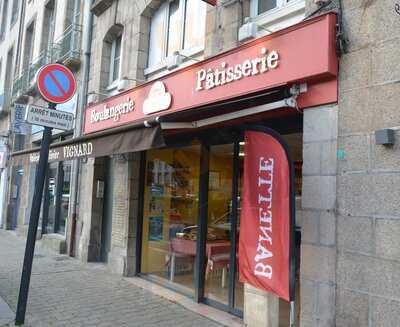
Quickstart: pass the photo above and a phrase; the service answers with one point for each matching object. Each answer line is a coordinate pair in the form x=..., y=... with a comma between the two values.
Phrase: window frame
x=111, y=80
x=279, y=17
x=4, y=6
x=14, y=12
x=186, y=52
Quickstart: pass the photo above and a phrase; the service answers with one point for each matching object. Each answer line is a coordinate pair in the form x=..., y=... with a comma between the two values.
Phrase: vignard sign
x=67, y=152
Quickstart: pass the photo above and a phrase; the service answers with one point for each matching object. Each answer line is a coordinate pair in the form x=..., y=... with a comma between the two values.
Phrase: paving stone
x=71, y=293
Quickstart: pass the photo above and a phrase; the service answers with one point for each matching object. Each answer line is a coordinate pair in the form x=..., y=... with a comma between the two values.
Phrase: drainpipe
x=86, y=45
x=19, y=40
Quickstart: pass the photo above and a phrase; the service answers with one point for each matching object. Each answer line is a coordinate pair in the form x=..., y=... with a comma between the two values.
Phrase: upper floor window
x=277, y=14
x=4, y=15
x=28, y=46
x=115, y=61
x=178, y=25
x=14, y=12
x=48, y=26
x=111, y=58
x=1, y=80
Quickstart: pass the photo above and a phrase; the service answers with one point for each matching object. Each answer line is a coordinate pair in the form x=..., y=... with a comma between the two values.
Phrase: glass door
x=49, y=203
x=221, y=282
x=56, y=194
x=64, y=196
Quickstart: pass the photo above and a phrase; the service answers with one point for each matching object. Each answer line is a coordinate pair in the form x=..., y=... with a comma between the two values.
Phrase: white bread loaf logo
x=158, y=99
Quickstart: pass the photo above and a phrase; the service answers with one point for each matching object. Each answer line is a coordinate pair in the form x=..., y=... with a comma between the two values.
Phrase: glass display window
x=170, y=214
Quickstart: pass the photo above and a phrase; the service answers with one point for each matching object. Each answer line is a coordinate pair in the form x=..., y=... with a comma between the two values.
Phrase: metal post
x=292, y=314
x=234, y=220
x=33, y=224
x=202, y=222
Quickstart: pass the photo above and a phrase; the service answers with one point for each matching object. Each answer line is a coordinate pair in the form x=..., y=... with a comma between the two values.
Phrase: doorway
x=106, y=223
x=56, y=197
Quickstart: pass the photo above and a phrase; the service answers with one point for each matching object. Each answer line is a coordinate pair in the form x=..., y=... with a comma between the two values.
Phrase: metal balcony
x=24, y=84
x=67, y=49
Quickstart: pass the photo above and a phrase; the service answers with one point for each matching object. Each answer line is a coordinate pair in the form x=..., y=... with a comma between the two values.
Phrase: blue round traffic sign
x=56, y=83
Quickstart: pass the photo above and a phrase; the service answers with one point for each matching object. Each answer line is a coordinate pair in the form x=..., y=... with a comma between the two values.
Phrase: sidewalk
x=6, y=314
x=66, y=292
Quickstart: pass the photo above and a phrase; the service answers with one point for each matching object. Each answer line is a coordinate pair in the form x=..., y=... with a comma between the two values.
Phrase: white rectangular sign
x=3, y=157
x=19, y=125
x=49, y=117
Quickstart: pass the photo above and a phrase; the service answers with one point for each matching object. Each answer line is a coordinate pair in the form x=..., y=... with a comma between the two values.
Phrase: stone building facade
x=348, y=210
x=47, y=31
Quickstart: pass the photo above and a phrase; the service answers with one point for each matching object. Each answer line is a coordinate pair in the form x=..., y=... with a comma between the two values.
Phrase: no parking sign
x=56, y=83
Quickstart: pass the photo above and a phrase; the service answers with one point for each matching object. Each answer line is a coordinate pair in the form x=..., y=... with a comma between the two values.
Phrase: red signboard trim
x=211, y=2
x=307, y=54
x=47, y=69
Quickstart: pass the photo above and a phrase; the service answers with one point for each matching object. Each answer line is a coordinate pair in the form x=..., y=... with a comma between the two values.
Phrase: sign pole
x=33, y=224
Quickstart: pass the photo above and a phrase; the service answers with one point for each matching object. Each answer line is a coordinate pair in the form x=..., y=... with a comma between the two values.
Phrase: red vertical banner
x=265, y=221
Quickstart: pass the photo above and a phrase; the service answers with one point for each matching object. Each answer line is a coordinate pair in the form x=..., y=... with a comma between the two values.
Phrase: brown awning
x=96, y=145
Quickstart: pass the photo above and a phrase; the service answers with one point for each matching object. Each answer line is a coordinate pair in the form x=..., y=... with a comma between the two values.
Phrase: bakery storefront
x=190, y=128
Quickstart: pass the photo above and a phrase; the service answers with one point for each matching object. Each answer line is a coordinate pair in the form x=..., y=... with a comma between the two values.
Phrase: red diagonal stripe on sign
x=57, y=83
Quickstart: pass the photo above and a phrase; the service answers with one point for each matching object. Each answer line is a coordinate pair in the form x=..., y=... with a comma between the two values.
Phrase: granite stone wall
x=368, y=206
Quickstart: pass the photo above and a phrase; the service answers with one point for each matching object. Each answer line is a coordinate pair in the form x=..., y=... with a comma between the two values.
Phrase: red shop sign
x=266, y=221
x=302, y=53
x=211, y=2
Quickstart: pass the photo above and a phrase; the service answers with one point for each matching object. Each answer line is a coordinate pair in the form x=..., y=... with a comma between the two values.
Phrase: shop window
x=273, y=15
x=170, y=215
x=177, y=25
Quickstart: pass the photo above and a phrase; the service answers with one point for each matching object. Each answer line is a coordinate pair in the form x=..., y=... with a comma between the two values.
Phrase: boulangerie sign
x=265, y=222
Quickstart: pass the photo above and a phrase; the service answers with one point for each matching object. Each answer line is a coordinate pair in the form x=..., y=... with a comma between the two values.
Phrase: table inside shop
x=183, y=247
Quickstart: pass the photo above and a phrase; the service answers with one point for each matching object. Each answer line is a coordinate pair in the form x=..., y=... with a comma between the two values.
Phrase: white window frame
x=14, y=12
x=285, y=14
x=112, y=82
x=186, y=52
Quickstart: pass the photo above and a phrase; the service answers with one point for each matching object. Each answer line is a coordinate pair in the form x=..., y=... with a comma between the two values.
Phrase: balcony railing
x=67, y=49
x=24, y=84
